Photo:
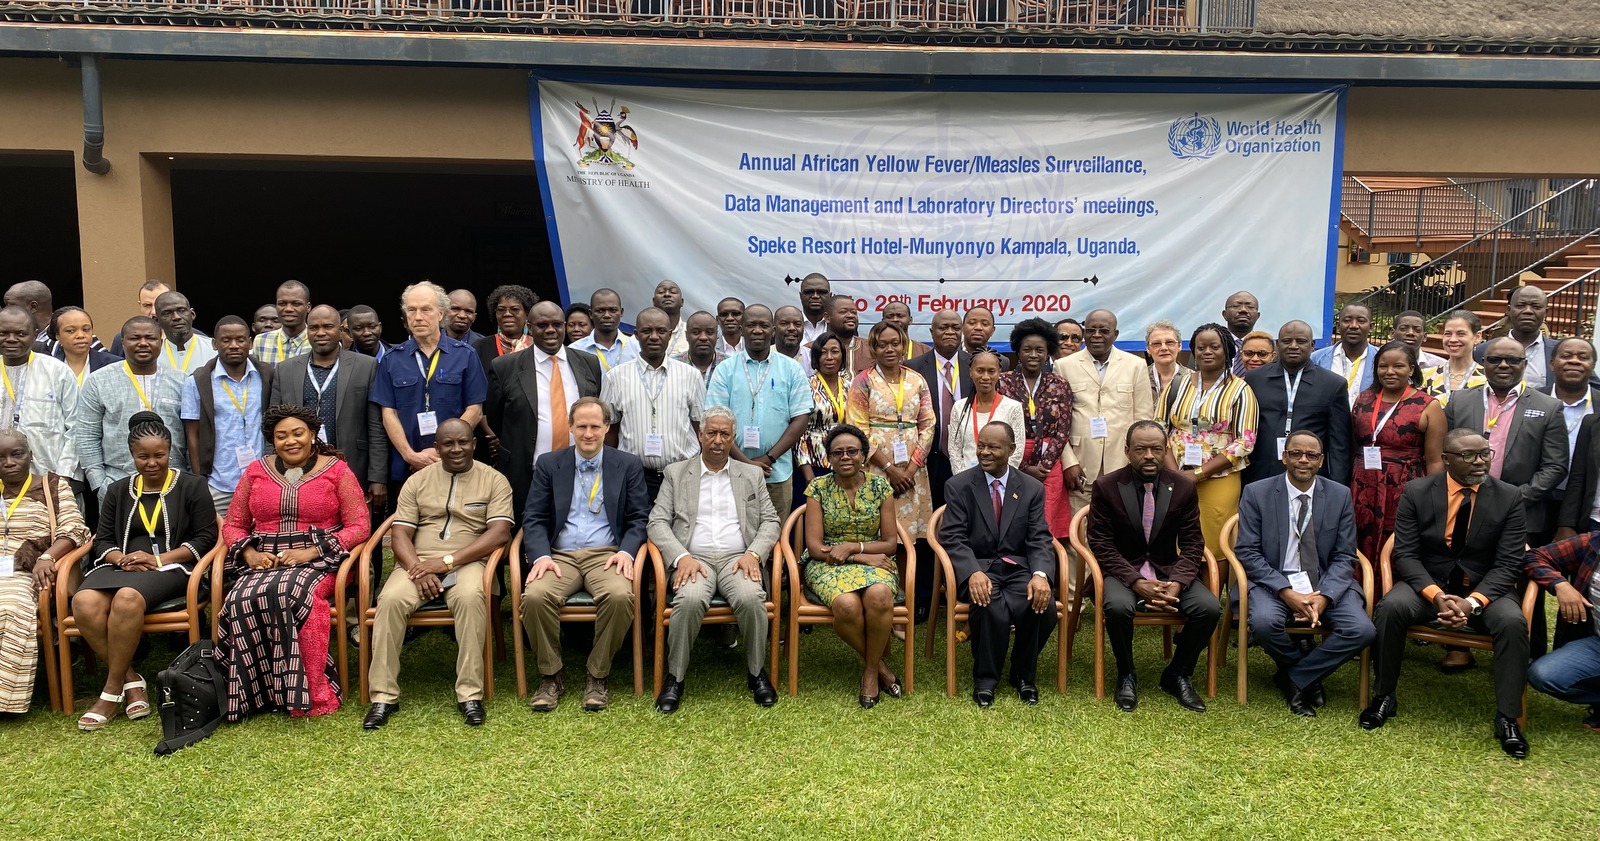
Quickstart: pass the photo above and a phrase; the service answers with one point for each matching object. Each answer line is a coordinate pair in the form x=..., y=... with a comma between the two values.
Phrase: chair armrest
x=69, y=573
x=909, y=582
x=791, y=561
x=1368, y=586
x=491, y=566
x=514, y=558
x=1530, y=597
x=364, y=594
x=1386, y=567
x=1213, y=581
x=1078, y=537
x=652, y=553
x=1063, y=569
x=948, y=569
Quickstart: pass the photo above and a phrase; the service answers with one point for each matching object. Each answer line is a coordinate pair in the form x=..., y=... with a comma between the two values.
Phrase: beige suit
x=671, y=529
x=1121, y=397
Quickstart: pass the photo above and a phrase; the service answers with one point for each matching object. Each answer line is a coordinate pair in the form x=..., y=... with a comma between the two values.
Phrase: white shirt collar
x=705, y=469
x=1295, y=492
x=543, y=357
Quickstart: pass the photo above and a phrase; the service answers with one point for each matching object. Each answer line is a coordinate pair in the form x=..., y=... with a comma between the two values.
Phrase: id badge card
x=1282, y=442
x=1300, y=583
x=752, y=438
x=8, y=566
x=245, y=455
x=654, y=445
x=427, y=423
x=902, y=453
x=1372, y=458
x=1097, y=427
x=1193, y=456
x=322, y=434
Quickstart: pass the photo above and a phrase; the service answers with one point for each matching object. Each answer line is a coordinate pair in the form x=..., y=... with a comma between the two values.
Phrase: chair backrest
x=1079, y=537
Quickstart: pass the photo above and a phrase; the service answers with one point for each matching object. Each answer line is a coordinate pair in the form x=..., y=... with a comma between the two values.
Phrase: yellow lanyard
x=899, y=396
x=12, y=508
x=594, y=491
x=187, y=355
x=83, y=373
x=1032, y=408
x=955, y=374
x=836, y=400
x=1500, y=406
x=427, y=377
x=622, y=342
x=143, y=398
x=5, y=372
x=237, y=403
x=1354, y=375
x=152, y=518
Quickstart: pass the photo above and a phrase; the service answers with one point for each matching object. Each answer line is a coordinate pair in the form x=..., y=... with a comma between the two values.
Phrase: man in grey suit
x=521, y=388
x=1524, y=427
x=715, y=525
x=335, y=381
x=1301, y=562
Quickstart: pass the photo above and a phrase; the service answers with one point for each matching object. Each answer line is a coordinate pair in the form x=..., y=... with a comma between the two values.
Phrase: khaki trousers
x=582, y=569
x=398, y=600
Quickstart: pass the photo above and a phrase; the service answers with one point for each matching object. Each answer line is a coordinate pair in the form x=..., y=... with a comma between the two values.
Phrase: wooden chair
x=1447, y=636
x=946, y=585
x=719, y=613
x=803, y=611
x=179, y=614
x=1239, y=583
x=431, y=614
x=1167, y=621
x=580, y=607
x=47, y=629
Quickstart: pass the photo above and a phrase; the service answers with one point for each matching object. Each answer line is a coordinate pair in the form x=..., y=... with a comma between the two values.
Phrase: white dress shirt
x=1352, y=370
x=716, y=524
x=569, y=384
x=1535, y=375
x=1291, y=555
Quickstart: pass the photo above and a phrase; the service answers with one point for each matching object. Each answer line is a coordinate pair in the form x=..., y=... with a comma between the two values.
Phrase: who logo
x=1194, y=137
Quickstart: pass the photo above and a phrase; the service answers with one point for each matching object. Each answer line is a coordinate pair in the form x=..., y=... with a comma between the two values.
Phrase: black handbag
x=192, y=692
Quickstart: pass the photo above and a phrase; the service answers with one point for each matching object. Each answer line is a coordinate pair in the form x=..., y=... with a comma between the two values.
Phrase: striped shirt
x=106, y=401
x=41, y=399
x=1221, y=419
x=656, y=401
x=274, y=346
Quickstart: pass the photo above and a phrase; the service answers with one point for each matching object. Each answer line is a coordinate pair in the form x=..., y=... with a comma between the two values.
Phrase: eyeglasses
x=1301, y=455
x=1478, y=455
x=1165, y=343
x=1256, y=354
x=1513, y=361
x=845, y=452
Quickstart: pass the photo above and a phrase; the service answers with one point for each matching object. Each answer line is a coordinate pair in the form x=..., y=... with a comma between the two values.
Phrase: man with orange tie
x=530, y=394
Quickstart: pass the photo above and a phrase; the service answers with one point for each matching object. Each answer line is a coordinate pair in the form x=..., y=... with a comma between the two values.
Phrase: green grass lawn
x=817, y=766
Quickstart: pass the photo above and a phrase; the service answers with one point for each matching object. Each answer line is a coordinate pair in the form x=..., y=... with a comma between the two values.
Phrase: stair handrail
x=1497, y=232
x=1551, y=294
x=1517, y=275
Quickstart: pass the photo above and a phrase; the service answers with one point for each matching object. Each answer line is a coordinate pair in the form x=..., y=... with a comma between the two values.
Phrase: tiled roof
x=1544, y=21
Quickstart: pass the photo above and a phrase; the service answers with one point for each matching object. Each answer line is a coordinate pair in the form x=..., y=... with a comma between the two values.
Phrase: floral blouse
x=1222, y=419
x=1435, y=382
x=1048, y=413
x=825, y=413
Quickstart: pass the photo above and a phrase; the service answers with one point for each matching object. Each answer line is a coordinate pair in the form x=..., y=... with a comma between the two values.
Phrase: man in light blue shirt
x=606, y=341
x=771, y=401
x=222, y=422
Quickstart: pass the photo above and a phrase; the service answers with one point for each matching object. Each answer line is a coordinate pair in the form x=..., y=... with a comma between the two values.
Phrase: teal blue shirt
x=767, y=394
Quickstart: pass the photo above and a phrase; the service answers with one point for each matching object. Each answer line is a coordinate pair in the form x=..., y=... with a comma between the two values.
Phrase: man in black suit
x=1297, y=543
x=1459, y=543
x=337, y=388
x=587, y=515
x=1292, y=394
x=521, y=388
x=1144, y=530
x=1005, y=563
x=947, y=362
x=1572, y=368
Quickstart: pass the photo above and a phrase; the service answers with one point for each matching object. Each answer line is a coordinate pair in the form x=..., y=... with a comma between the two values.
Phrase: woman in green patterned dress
x=850, y=555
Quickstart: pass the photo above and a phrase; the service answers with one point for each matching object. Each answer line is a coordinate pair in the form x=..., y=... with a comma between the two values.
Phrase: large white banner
x=1152, y=204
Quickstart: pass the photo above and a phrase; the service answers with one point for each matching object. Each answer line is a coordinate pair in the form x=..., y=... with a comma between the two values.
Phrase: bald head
x=34, y=297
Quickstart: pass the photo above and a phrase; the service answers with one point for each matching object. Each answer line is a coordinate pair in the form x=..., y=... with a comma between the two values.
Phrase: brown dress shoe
x=551, y=688
x=595, y=696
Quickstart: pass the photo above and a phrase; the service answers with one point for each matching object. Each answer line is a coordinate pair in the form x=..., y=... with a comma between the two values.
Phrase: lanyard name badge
x=1372, y=457
x=143, y=397
x=654, y=442
x=752, y=432
x=902, y=453
x=1289, y=390
x=8, y=563
x=1499, y=409
x=322, y=388
x=243, y=455
x=1193, y=454
x=427, y=421
x=13, y=392
x=152, y=518
x=187, y=355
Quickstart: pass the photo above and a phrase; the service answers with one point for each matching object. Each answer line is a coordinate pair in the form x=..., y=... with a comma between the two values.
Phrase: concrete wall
x=158, y=110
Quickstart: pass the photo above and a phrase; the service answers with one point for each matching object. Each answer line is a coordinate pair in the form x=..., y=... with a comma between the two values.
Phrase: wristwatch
x=449, y=562
x=1477, y=608
x=46, y=556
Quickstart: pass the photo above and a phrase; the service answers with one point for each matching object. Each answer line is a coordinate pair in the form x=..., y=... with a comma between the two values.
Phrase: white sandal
x=92, y=721
x=136, y=709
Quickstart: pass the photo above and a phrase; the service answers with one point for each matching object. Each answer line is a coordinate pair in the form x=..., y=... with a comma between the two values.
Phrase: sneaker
x=551, y=688
x=595, y=696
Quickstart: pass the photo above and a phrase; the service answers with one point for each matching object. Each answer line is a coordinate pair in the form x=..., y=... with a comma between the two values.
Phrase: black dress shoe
x=1182, y=688
x=1127, y=693
x=867, y=702
x=1379, y=711
x=1293, y=695
x=671, y=695
x=984, y=698
x=1510, y=735
x=894, y=689
x=471, y=712
x=1028, y=692
x=1592, y=720
x=1316, y=696
x=761, y=690
x=378, y=715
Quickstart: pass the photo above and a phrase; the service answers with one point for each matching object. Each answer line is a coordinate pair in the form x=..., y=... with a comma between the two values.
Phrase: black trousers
x=1201, y=611
x=652, y=483
x=1502, y=620
x=991, y=627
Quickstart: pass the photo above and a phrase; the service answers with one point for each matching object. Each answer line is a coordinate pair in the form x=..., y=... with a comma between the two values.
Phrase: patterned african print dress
x=1047, y=411
x=902, y=413
x=274, y=625
x=1220, y=420
x=1438, y=382
x=827, y=408
x=1376, y=493
x=29, y=531
x=846, y=521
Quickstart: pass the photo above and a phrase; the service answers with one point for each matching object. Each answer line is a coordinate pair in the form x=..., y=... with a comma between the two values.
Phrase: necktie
x=1306, y=530
x=994, y=495
x=560, y=433
x=1147, y=517
x=589, y=483
x=946, y=402
x=1458, y=535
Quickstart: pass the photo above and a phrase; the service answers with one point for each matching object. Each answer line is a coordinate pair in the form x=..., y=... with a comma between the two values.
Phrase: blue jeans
x=1571, y=672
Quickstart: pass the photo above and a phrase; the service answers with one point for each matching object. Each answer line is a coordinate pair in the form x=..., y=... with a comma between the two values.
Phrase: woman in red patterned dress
x=1407, y=427
x=296, y=515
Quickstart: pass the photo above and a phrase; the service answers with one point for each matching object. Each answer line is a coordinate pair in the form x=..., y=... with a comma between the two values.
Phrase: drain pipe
x=94, y=121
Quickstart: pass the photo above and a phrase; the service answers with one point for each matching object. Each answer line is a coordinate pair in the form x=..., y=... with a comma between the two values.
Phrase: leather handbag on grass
x=192, y=689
